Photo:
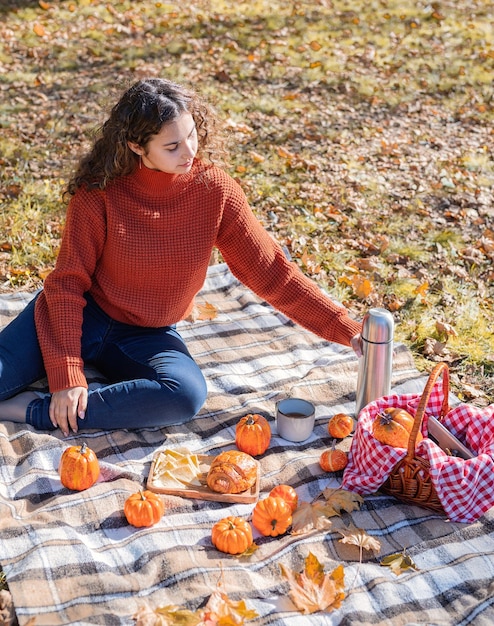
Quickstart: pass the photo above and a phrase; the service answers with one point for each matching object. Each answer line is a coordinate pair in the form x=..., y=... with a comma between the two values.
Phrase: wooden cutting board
x=203, y=492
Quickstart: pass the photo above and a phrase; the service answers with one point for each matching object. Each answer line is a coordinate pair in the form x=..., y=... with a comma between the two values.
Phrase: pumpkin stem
x=83, y=449
x=141, y=493
x=386, y=418
x=250, y=420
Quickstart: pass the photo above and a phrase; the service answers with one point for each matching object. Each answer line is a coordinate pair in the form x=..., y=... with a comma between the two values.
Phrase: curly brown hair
x=140, y=114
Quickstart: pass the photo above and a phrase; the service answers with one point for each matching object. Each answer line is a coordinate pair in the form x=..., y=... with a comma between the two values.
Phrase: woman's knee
x=187, y=399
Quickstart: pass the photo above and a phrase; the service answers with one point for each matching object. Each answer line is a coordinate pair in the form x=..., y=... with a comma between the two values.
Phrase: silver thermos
x=376, y=362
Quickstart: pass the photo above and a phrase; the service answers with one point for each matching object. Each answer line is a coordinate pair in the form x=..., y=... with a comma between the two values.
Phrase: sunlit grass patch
x=361, y=134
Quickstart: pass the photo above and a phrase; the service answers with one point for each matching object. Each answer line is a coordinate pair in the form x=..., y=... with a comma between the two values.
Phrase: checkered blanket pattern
x=71, y=558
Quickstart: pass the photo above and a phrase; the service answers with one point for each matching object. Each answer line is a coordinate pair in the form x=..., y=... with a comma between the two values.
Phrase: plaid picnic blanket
x=71, y=557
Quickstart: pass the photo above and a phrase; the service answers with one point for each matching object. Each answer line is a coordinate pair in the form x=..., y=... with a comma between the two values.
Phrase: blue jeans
x=152, y=379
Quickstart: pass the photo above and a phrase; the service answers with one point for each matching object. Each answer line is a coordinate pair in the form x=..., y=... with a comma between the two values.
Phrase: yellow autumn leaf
x=44, y=273
x=312, y=590
x=220, y=609
x=362, y=287
x=284, y=153
x=256, y=157
x=399, y=562
x=422, y=289
x=345, y=280
x=166, y=615
x=39, y=29
x=202, y=312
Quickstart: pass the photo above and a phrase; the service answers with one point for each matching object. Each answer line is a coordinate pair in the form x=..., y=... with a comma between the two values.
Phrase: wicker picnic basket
x=410, y=479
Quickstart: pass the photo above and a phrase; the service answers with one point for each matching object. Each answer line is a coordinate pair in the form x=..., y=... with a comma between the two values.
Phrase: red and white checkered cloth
x=464, y=487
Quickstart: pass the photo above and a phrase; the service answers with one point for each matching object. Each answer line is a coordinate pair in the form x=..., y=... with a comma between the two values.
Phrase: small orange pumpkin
x=232, y=535
x=288, y=494
x=333, y=460
x=253, y=434
x=393, y=427
x=340, y=425
x=144, y=508
x=272, y=516
x=78, y=468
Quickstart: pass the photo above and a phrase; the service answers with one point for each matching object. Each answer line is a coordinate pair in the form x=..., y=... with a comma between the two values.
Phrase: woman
x=147, y=207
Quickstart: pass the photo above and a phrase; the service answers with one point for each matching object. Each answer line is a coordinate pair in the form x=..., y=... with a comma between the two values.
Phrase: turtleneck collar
x=159, y=183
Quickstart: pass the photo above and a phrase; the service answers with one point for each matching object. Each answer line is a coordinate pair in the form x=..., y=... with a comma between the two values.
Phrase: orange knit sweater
x=141, y=248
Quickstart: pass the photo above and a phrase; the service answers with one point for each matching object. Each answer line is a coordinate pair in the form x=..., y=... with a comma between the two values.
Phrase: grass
x=361, y=133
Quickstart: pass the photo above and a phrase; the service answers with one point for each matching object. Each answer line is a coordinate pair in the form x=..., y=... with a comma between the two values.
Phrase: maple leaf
x=220, y=610
x=312, y=590
x=422, y=290
x=358, y=537
x=170, y=615
x=311, y=516
x=399, y=562
x=342, y=500
x=203, y=312
x=362, y=287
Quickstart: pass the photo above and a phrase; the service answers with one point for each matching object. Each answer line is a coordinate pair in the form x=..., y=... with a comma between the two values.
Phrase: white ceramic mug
x=295, y=419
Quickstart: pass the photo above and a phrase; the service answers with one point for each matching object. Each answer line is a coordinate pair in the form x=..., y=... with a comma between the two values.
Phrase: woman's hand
x=356, y=343
x=66, y=406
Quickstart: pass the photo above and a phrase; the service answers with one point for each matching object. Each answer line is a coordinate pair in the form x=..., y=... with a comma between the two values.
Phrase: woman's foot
x=14, y=409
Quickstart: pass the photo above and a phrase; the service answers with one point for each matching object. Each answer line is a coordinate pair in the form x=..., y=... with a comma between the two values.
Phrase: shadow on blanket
x=71, y=558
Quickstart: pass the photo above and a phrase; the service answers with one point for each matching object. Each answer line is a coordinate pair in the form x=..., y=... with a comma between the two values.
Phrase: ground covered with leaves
x=361, y=132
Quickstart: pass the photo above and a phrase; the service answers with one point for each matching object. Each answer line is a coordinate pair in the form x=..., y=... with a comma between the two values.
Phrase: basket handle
x=440, y=368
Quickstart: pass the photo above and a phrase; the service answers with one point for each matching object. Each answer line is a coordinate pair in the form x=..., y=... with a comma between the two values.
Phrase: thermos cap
x=378, y=326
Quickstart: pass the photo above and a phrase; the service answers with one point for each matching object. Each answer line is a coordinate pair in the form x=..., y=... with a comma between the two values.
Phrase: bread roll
x=232, y=472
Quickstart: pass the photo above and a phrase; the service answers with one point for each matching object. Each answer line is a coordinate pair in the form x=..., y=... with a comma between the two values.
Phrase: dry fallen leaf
x=422, y=290
x=169, y=615
x=256, y=157
x=358, y=537
x=219, y=611
x=39, y=29
x=312, y=590
x=341, y=500
x=399, y=562
x=311, y=516
x=445, y=329
x=362, y=287
x=202, y=312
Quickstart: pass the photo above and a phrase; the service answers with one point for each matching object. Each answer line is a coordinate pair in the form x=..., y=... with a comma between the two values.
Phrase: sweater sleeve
x=259, y=262
x=59, y=308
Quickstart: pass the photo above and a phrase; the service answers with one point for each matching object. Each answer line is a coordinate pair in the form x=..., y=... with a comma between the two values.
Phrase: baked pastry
x=232, y=471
